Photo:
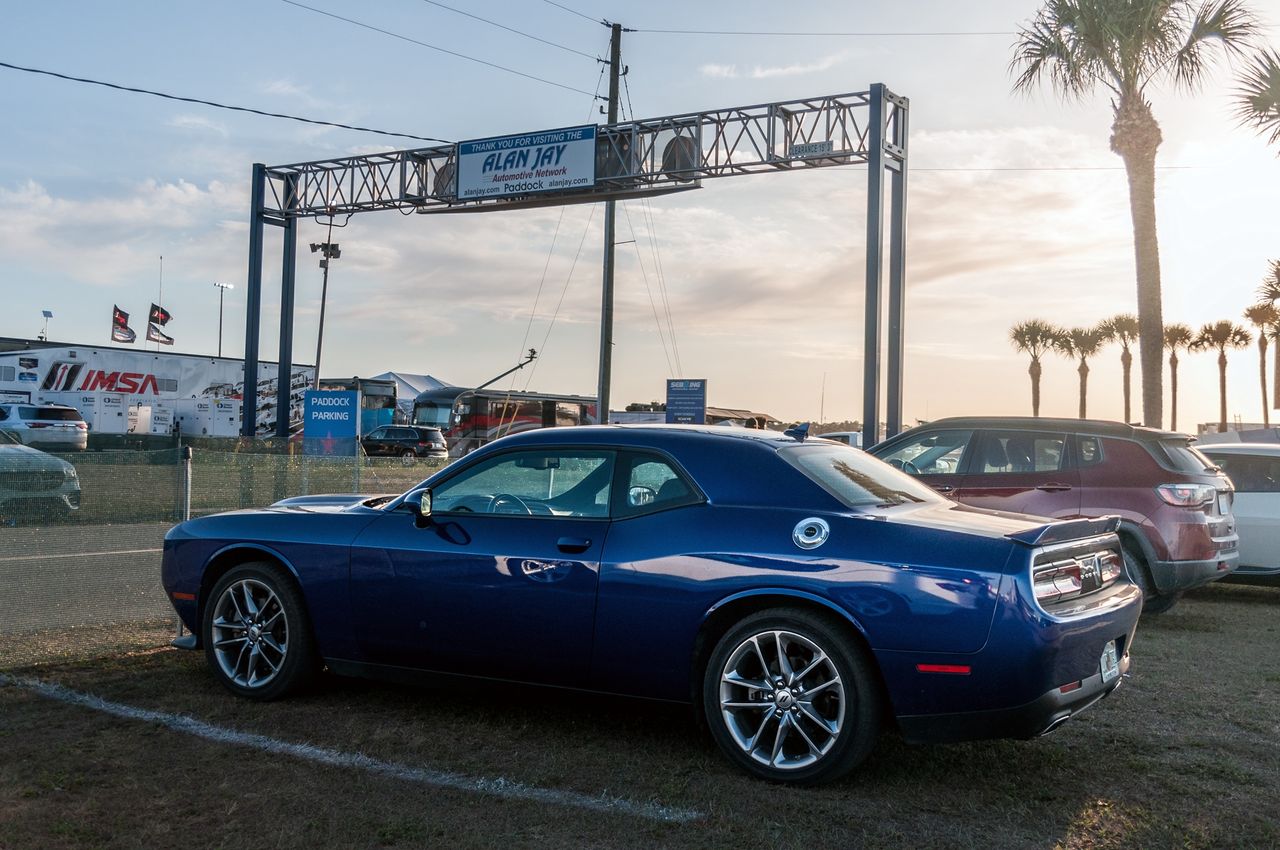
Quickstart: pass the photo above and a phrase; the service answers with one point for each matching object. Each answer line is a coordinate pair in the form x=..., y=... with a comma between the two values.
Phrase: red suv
x=1174, y=504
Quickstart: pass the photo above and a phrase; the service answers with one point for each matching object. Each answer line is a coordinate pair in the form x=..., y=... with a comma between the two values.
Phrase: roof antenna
x=798, y=433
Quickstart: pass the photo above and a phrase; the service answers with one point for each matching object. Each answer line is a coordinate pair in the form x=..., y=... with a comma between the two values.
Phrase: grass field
x=1186, y=754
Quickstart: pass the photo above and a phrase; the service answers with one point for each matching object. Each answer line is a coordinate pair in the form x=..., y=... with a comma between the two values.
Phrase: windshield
x=49, y=414
x=856, y=478
x=432, y=413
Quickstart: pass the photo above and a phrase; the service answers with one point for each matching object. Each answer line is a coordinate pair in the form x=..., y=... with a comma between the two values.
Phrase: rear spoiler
x=1064, y=530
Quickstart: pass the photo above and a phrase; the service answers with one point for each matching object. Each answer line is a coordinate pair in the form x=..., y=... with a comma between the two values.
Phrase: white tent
x=408, y=387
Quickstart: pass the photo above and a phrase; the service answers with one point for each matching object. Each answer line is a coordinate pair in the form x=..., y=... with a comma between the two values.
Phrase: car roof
x=1100, y=427
x=647, y=434
x=1240, y=448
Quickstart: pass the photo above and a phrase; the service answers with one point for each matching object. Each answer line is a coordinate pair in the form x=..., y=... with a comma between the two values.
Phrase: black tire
x=1153, y=602
x=802, y=751
x=408, y=457
x=260, y=647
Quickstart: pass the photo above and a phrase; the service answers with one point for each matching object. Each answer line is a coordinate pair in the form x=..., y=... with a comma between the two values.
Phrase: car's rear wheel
x=408, y=457
x=791, y=698
x=1153, y=602
x=257, y=636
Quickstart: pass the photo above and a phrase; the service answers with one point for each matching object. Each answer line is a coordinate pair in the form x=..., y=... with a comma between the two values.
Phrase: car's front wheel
x=257, y=637
x=790, y=697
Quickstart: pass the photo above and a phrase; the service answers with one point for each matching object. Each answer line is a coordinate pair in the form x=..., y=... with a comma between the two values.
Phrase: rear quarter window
x=1179, y=456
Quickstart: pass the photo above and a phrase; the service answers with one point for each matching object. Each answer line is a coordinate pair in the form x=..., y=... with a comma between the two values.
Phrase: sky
x=1016, y=207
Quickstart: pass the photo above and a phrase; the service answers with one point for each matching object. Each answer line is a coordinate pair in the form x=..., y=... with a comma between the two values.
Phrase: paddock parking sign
x=331, y=423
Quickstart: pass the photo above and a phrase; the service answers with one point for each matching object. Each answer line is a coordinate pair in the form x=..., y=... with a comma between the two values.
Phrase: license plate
x=1110, y=663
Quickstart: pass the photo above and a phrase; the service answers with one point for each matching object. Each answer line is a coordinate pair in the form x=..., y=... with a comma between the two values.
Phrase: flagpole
x=160, y=297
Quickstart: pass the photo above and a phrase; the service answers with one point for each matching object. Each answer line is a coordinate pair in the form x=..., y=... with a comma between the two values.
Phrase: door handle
x=573, y=545
x=944, y=488
x=1054, y=488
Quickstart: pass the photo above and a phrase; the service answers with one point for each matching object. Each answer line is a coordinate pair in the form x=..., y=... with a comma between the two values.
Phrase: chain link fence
x=81, y=535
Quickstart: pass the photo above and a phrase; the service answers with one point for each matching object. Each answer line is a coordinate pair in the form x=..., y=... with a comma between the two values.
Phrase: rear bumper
x=1177, y=576
x=1038, y=717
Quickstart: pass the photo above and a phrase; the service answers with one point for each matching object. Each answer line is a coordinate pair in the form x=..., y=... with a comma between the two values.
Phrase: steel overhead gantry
x=632, y=159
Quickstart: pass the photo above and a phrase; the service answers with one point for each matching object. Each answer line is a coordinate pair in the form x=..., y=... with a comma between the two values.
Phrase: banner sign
x=548, y=161
x=331, y=423
x=687, y=401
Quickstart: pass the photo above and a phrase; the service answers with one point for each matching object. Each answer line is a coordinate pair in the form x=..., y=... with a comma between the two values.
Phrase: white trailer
x=104, y=383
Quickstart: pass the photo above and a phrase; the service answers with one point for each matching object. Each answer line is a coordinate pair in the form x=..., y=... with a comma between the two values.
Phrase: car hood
x=329, y=502
x=28, y=459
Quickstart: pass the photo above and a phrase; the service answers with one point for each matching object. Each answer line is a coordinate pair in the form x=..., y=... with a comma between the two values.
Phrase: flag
x=154, y=334
x=120, y=330
x=159, y=315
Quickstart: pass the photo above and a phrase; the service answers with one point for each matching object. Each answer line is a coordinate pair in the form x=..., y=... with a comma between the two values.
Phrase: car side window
x=931, y=453
x=1020, y=451
x=546, y=482
x=1250, y=473
x=377, y=434
x=403, y=434
x=652, y=484
x=1088, y=450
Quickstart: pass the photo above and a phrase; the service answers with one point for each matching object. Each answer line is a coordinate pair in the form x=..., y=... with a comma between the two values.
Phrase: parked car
x=1254, y=469
x=802, y=593
x=1175, y=506
x=49, y=426
x=849, y=438
x=405, y=441
x=34, y=485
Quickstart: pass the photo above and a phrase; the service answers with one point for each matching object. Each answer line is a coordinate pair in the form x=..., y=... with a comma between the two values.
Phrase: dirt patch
x=1184, y=755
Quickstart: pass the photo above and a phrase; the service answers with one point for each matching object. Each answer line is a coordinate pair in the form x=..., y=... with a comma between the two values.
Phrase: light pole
x=222, y=291
x=328, y=251
x=44, y=334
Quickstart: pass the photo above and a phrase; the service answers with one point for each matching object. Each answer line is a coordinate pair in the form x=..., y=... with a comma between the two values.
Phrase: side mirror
x=419, y=503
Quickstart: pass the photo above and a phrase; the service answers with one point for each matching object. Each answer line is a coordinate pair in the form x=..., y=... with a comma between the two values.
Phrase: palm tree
x=1124, y=330
x=1266, y=318
x=1034, y=337
x=1123, y=46
x=1270, y=293
x=1082, y=343
x=1258, y=98
x=1176, y=337
x=1221, y=335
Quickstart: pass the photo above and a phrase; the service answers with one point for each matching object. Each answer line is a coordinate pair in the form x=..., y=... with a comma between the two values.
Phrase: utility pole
x=328, y=251
x=606, y=305
x=222, y=291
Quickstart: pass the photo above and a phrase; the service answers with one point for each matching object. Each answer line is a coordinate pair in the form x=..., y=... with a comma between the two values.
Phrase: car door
x=1257, y=506
x=936, y=457
x=374, y=442
x=501, y=580
x=1022, y=471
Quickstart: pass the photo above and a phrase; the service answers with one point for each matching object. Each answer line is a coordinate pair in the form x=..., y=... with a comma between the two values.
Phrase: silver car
x=34, y=484
x=1254, y=468
x=56, y=427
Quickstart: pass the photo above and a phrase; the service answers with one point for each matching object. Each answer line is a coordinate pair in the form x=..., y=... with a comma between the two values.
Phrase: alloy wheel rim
x=782, y=699
x=250, y=633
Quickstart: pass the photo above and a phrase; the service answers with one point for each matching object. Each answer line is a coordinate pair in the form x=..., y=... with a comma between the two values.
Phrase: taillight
x=1187, y=495
x=1068, y=578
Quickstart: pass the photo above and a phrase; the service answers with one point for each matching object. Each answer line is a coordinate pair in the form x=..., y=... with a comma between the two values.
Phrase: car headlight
x=69, y=472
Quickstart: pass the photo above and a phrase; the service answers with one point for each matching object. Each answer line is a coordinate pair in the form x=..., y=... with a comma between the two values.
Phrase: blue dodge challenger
x=802, y=594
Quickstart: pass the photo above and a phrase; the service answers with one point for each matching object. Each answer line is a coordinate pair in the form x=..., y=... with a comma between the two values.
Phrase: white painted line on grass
x=455, y=781
x=78, y=555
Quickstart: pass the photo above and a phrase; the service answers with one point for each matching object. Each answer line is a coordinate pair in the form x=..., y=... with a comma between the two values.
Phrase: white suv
x=49, y=426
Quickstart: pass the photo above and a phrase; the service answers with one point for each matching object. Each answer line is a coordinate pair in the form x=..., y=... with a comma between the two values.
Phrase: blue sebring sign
x=547, y=161
x=687, y=401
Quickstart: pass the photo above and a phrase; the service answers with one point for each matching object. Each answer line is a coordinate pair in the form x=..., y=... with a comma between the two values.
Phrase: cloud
x=199, y=123
x=763, y=72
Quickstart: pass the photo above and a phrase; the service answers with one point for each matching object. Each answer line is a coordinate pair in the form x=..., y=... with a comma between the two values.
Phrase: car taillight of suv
x=1176, y=527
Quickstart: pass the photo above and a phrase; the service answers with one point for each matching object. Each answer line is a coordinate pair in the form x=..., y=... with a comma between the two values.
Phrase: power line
x=934, y=34
x=573, y=11
x=217, y=105
x=510, y=29
x=354, y=22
